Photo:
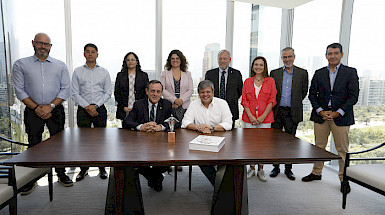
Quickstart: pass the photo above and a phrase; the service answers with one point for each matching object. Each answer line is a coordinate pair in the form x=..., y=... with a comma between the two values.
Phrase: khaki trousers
x=341, y=141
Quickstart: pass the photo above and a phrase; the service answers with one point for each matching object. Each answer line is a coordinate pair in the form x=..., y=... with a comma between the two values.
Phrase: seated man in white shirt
x=206, y=115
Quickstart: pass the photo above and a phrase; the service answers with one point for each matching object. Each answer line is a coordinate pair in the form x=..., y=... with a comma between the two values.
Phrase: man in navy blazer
x=148, y=115
x=333, y=92
x=231, y=90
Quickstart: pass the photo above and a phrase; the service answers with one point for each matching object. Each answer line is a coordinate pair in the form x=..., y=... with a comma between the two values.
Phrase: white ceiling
x=285, y=4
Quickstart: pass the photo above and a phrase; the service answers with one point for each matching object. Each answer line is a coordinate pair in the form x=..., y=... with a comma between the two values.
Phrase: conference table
x=124, y=150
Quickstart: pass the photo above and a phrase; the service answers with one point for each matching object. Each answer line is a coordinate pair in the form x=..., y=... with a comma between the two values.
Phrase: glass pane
x=313, y=31
x=130, y=29
x=23, y=21
x=257, y=32
x=367, y=35
x=199, y=32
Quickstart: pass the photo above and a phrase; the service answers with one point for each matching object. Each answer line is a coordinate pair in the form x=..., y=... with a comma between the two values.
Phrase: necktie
x=152, y=114
x=222, y=93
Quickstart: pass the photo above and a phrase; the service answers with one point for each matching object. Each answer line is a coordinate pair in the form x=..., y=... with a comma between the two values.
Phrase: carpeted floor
x=277, y=196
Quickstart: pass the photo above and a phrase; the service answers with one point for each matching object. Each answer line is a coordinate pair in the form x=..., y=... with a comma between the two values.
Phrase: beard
x=39, y=53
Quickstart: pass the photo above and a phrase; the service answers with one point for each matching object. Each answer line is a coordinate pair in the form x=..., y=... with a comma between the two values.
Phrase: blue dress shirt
x=91, y=86
x=286, y=88
x=41, y=81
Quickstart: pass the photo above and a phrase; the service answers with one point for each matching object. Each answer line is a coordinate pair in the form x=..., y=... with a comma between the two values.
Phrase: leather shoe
x=311, y=177
x=289, y=174
x=28, y=189
x=346, y=187
x=275, y=172
x=103, y=174
x=81, y=175
x=158, y=184
x=65, y=180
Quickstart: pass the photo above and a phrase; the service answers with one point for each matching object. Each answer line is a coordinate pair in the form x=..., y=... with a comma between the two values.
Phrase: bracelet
x=36, y=107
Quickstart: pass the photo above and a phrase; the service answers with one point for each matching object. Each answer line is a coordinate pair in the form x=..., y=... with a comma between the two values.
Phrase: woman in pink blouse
x=258, y=99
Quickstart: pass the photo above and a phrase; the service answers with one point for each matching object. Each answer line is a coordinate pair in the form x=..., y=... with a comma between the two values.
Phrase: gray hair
x=223, y=50
x=204, y=84
x=287, y=49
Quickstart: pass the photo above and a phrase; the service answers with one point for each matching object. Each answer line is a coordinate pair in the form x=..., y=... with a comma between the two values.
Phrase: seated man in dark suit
x=148, y=115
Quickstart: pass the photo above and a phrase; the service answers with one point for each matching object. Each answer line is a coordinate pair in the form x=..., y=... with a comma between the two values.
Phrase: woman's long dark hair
x=124, y=66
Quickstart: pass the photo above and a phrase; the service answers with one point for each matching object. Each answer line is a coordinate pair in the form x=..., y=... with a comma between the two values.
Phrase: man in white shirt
x=206, y=115
x=91, y=88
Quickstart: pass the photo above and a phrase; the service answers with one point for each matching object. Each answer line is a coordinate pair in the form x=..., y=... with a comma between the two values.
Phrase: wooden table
x=122, y=149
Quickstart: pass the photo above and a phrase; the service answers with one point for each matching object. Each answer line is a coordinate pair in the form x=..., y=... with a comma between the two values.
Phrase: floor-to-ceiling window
x=365, y=54
x=116, y=28
x=316, y=25
x=23, y=20
x=198, y=29
x=6, y=99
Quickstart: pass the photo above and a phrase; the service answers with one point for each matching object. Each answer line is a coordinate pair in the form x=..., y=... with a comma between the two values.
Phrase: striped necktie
x=152, y=113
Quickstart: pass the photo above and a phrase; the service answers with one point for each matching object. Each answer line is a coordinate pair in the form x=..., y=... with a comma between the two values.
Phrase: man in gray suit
x=292, y=86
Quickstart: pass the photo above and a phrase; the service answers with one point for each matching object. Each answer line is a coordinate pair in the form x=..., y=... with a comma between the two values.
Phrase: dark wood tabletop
x=116, y=147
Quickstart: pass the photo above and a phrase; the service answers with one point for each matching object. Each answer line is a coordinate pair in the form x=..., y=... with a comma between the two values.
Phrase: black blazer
x=233, y=88
x=139, y=114
x=299, y=88
x=121, y=90
x=344, y=94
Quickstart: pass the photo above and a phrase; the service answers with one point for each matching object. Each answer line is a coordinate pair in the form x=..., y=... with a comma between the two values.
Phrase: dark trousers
x=209, y=171
x=152, y=173
x=284, y=119
x=34, y=126
x=85, y=120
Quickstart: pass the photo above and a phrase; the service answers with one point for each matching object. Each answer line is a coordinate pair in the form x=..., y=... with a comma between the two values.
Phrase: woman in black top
x=130, y=85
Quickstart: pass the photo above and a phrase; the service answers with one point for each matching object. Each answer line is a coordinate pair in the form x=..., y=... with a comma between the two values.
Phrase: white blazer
x=186, y=87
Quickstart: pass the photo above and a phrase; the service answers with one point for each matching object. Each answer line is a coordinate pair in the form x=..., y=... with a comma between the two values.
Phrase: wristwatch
x=52, y=105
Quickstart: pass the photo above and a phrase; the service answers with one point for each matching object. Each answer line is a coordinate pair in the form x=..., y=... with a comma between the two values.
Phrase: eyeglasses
x=288, y=57
x=132, y=60
x=39, y=43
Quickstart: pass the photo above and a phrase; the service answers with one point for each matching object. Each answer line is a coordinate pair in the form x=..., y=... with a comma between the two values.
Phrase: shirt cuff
x=138, y=127
x=163, y=127
x=319, y=110
x=341, y=111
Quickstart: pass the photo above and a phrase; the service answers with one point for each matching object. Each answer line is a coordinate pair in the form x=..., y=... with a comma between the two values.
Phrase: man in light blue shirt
x=42, y=83
x=91, y=88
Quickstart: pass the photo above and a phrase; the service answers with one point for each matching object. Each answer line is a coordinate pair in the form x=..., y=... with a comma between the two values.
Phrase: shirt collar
x=48, y=59
x=335, y=69
x=226, y=70
x=210, y=105
x=96, y=65
x=292, y=70
x=150, y=104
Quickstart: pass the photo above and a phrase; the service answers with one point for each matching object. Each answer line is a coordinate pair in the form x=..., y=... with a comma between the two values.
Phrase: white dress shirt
x=218, y=113
x=91, y=86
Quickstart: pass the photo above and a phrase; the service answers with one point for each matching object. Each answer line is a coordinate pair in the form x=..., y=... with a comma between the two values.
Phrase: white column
x=158, y=37
x=68, y=39
x=286, y=29
x=345, y=28
x=229, y=26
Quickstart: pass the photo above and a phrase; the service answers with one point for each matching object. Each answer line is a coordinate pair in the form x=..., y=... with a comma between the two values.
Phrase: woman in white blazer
x=177, y=82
